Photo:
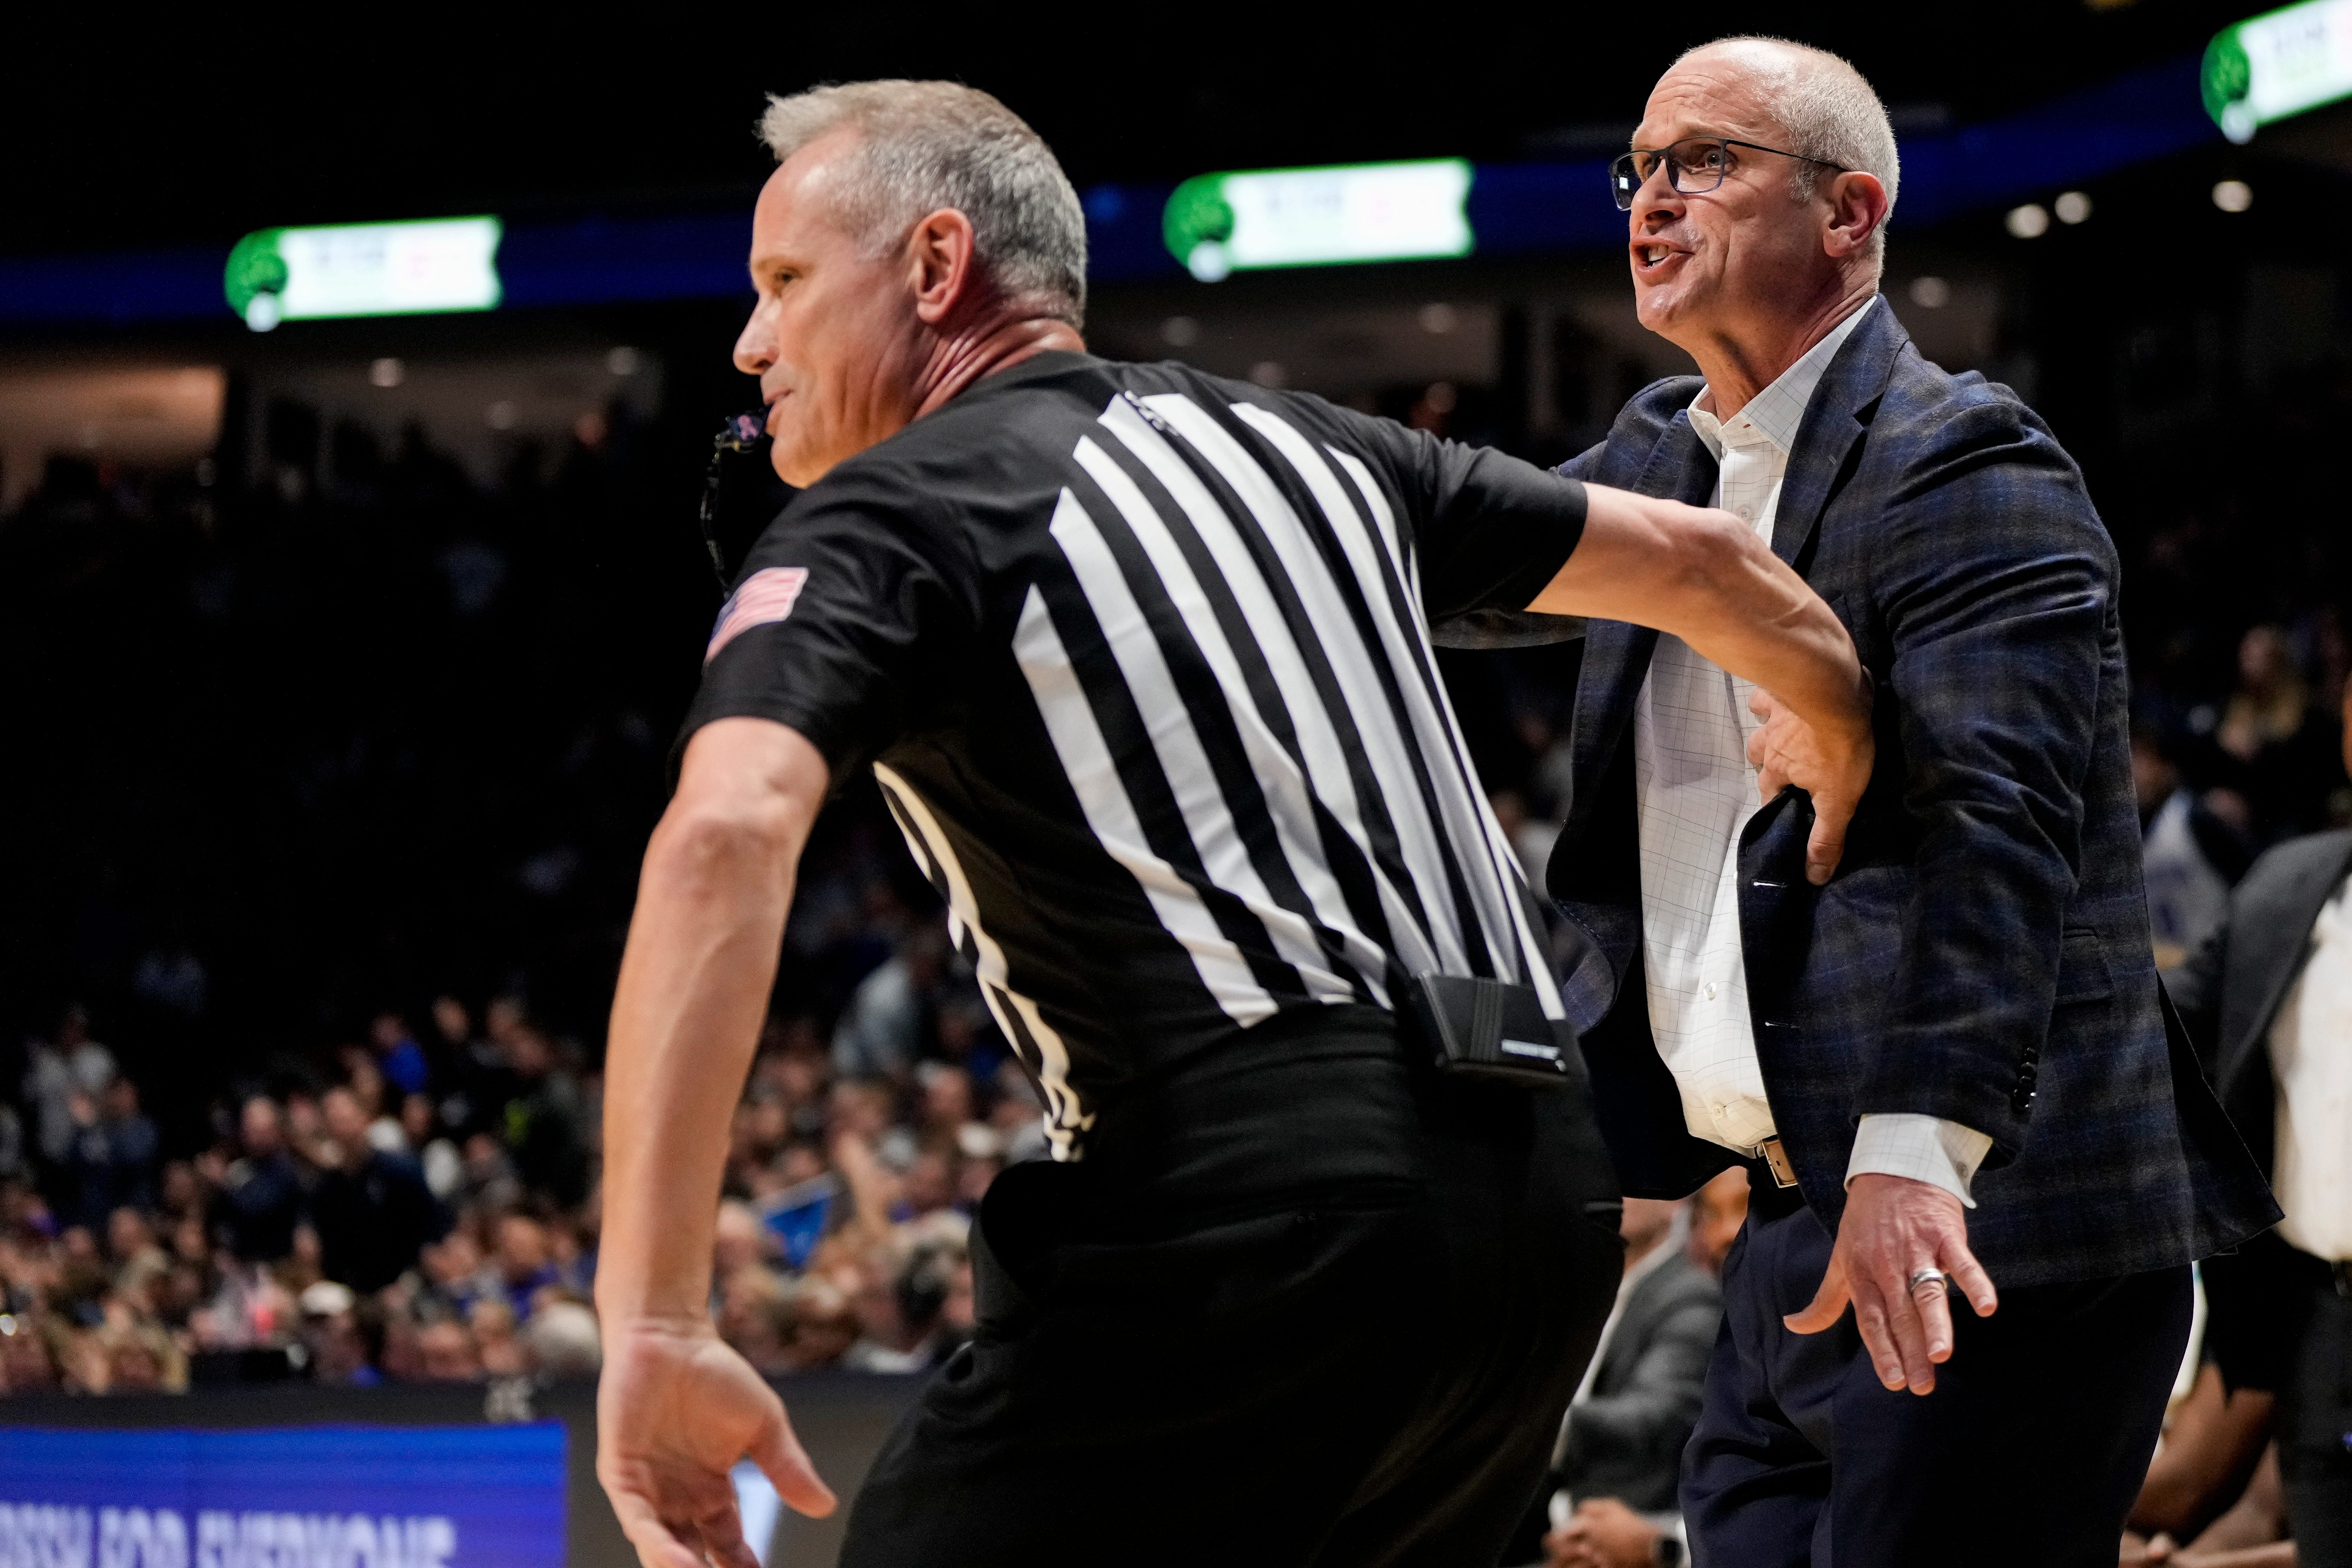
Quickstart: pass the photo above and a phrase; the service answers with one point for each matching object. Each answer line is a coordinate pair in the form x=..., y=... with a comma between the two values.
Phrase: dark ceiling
x=146, y=135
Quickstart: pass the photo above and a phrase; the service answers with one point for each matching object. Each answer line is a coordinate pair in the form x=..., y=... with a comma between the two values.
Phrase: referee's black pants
x=1308, y=1305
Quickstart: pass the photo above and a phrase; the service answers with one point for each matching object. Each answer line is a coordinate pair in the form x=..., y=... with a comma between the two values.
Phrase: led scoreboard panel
x=1219, y=224
x=2278, y=64
x=364, y=269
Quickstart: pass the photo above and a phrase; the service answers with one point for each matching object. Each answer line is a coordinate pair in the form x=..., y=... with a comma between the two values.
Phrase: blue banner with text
x=311, y=1497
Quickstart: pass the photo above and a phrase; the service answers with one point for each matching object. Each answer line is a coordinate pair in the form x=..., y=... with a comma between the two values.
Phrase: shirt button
x=1709, y=991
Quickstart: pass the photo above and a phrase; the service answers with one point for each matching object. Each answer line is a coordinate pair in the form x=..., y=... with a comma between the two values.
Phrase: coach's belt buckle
x=1784, y=1175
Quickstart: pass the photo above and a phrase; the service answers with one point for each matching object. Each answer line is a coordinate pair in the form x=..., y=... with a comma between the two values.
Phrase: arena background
x=339, y=661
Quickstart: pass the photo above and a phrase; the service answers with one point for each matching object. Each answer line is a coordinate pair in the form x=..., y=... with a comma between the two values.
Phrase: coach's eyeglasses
x=1694, y=165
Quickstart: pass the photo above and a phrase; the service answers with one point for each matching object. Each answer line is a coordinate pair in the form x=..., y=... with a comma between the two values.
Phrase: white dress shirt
x=2311, y=1058
x=1694, y=792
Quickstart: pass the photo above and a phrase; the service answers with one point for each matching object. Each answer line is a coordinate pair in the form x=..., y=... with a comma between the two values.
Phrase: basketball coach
x=1949, y=1068
x=1142, y=663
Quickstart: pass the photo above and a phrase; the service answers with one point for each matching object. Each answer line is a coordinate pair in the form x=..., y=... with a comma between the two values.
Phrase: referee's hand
x=675, y=1410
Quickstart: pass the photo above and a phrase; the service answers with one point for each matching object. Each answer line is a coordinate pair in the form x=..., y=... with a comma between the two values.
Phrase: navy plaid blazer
x=1982, y=954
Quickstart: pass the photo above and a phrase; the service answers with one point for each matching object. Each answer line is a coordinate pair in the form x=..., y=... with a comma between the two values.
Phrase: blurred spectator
x=344, y=1335
x=110, y=1162
x=542, y=1123
x=453, y=1273
x=522, y=1265
x=823, y=1326
x=55, y=1071
x=372, y=1211
x=2268, y=998
x=498, y=1340
x=2192, y=855
x=2252, y=1534
x=397, y=1054
x=882, y=1028
x=436, y=1156
x=261, y=1190
x=562, y=1343
x=740, y=1242
x=946, y=1104
x=753, y=1313
x=2213, y=1437
x=486, y=1178
x=982, y=1149
x=2279, y=750
x=446, y=1352
x=26, y=1365
x=900, y=1302
x=482, y=1082
x=13, y=1165
x=384, y=1130
x=1610, y=1495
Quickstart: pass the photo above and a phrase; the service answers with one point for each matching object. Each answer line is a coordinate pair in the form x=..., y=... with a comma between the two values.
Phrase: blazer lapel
x=2293, y=924
x=1833, y=423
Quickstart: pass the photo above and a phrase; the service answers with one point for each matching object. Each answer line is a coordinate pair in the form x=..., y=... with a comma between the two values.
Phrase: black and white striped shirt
x=1140, y=659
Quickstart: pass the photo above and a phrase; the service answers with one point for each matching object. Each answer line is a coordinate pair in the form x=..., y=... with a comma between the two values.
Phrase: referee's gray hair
x=925, y=145
x=1829, y=112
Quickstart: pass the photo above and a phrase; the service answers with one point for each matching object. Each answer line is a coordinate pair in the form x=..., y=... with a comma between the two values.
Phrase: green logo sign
x=364, y=269
x=1219, y=223
x=2279, y=64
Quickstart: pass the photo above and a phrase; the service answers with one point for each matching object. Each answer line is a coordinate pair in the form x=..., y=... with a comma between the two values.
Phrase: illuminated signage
x=2277, y=64
x=364, y=269
x=1218, y=223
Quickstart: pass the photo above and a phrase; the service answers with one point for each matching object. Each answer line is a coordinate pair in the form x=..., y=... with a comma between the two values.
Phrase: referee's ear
x=942, y=268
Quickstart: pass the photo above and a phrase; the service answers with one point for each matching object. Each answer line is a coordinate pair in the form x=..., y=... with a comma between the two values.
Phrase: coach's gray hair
x=925, y=145
x=1829, y=111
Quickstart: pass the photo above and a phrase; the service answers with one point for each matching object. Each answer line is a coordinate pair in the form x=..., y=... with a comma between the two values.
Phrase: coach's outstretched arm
x=1705, y=576
x=678, y=1407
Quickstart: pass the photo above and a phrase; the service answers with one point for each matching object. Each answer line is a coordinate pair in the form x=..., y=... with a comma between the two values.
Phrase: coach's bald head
x=915, y=236
x=1747, y=275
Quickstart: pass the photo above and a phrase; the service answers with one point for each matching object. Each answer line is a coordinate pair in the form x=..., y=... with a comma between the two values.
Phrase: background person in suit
x=1949, y=1062
x=2270, y=995
x=1619, y=1459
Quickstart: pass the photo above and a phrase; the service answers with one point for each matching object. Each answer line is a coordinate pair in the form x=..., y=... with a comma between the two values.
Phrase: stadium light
x=364, y=269
x=1218, y=223
x=2278, y=64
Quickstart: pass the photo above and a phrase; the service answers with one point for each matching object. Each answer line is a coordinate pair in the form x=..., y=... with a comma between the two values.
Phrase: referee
x=1142, y=662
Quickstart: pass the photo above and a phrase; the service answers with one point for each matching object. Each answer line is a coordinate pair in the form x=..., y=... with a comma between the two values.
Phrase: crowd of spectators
x=423, y=1204
x=306, y=943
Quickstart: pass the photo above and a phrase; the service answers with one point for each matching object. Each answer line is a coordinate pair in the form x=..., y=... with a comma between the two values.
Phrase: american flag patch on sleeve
x=766, y=597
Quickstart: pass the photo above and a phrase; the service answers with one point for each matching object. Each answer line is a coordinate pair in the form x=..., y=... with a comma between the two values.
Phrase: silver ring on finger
x=1926, y=1277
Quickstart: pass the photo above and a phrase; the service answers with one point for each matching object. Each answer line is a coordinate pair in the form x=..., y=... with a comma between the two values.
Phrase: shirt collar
x=1775, y=415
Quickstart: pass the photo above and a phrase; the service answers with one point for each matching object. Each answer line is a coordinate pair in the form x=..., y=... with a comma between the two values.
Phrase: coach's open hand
x=1896, y=1230
x=1831, y=766
x=677, y=1408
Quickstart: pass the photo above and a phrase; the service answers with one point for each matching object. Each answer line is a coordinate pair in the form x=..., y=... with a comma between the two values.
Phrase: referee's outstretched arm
x=1705, y=576
x=701, y=957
